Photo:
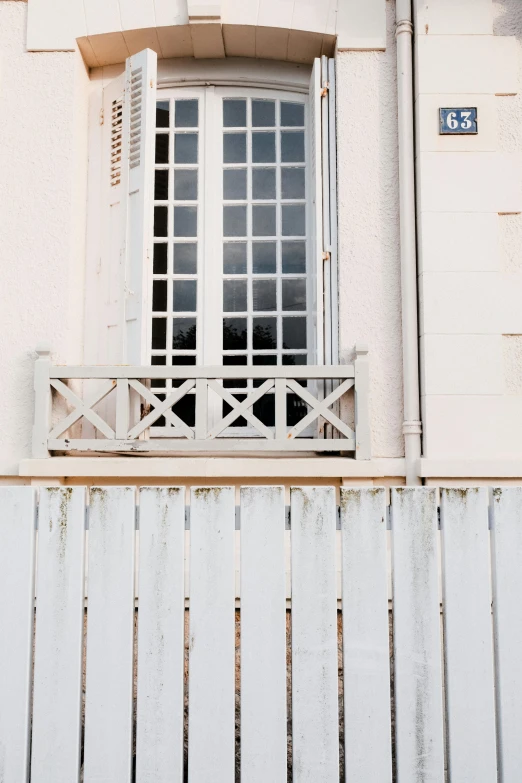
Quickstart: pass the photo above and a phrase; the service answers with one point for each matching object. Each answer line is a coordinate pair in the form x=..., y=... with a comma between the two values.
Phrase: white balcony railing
x=159, y=409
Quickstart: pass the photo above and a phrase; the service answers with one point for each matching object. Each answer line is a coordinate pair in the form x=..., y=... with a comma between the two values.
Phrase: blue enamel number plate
x=458, y=121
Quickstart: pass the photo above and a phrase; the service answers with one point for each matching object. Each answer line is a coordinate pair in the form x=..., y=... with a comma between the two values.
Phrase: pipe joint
x=403, y=26
x=412, y=428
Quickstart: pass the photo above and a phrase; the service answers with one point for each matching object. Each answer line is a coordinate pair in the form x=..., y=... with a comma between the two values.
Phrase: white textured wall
x=370, y=293
x=43, y=157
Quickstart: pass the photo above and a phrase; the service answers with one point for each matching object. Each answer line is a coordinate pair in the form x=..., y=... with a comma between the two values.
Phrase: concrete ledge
x=470, y=468
x=211, y=467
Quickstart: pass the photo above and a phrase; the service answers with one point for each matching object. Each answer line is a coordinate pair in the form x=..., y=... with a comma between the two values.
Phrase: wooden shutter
x=323, y=166
x=129, y=107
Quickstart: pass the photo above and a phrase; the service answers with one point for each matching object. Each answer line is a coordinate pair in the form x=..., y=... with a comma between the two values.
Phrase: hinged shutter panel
x=141, y=74
x=323, y=165
x=129, y=109
x=111, y=270
x=316, y=229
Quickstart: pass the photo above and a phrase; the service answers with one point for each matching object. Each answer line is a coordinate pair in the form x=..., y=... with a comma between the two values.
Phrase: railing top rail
x=303, y=372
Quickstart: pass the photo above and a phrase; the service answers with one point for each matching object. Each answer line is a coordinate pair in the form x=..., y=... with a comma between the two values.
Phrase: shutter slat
x=59, y=643
x=263, y=635
x=315, y=711
x=17, y=552
x=110, y=636
x=159, y=743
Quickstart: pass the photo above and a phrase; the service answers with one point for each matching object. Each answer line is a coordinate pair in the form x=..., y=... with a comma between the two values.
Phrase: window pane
x=263, y=183
x=184, y=334
x=234, y=221
x=263, y=361
x=161, y=184
x=162, y=148
x=161, y=215
x=264, y=334
x=294, y=294
x=263, y=147
x=263, y=114
x=264, y=294
x=159, y=333
x=234, y=258
x=159, y=266
x=186, y=185
x=186, y=114
x=185, y=258
x=186, y=148
x=234, y=113
x=292, y=147
x=162, y=114
x=234, y=334
x=294, y=257
x=293, y=220
x=234, y=361
x=185, y=221
x=264, y=258
x=234, y=148
x=186, y=409
x=159, y=296
x=234, y=296
x=295, y=358
x=158, y=383
x=185, y=296
x=234, y=184
x=263, y=221
x=292, y=114
x=294, y=332
x=292, y=183
x=264, y=409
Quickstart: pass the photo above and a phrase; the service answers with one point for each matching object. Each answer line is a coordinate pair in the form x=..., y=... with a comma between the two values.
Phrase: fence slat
x=468, y=638
x=263, y=635
x=417, y=637
x=110, y=636
x=159, y=743
x=507, y=617
x=17, y=546
x=212, y=636
x=59, y=636
x=367, y=708
x=315, y=713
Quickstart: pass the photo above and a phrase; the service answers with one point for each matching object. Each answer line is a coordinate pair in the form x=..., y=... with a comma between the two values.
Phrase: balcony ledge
x=179, y=468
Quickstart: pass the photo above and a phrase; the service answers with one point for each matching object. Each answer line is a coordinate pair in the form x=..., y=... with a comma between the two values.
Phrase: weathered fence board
x=159, y=741
x=367, y=723
x=416, y=635
x=110, y=636
x=507, y=591
x=211, y=636
x=315, y=697
x=470, y=704
x=17, y=546
x=59, y=639
x=263, y=635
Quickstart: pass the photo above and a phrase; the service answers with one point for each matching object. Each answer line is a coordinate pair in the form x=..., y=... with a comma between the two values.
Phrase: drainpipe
x=411, y=427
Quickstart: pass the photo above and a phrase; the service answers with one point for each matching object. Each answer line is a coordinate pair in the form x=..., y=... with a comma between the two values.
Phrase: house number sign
x=458, y=121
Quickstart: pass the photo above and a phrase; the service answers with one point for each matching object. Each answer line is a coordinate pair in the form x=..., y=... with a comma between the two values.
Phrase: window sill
x=178, y=468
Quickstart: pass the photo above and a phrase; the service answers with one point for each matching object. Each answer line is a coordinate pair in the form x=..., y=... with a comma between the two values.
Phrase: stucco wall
x=43, y=158
x=369, y=279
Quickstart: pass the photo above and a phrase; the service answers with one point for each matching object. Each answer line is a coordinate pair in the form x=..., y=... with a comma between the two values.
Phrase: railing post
x=363, y=440
x=42, y=401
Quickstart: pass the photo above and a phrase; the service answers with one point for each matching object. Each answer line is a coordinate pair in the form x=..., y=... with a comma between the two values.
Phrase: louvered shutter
x=323, y=165
x=129, y=107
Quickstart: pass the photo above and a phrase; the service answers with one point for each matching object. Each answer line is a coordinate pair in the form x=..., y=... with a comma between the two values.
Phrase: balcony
x=155, y=410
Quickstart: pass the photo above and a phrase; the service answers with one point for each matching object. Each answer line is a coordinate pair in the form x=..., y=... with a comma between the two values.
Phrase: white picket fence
x=457, y=684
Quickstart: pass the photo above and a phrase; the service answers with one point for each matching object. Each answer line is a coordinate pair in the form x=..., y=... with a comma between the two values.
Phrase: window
x=216, y=243
x=230, y=228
